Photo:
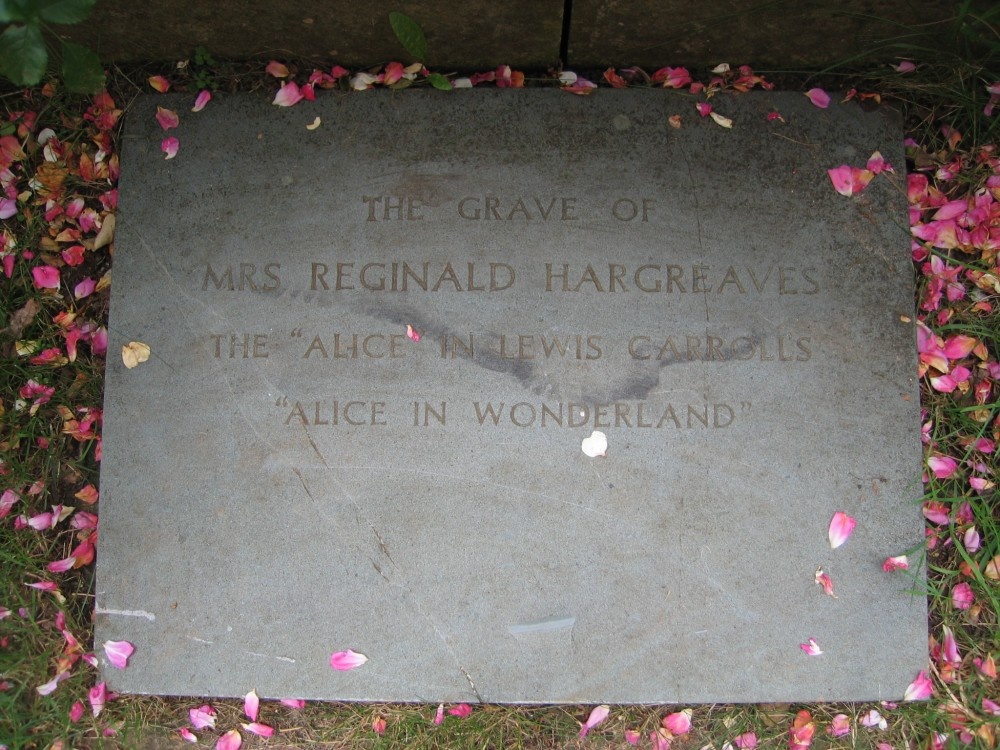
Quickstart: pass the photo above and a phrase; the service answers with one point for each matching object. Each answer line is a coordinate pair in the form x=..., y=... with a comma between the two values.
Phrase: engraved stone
x=378, y=347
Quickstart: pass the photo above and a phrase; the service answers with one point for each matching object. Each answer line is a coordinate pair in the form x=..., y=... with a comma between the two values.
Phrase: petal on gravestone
x=345, y=660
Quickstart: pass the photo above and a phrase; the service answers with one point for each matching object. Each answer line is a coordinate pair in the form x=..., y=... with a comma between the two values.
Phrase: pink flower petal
x=203, y=98
x=187, y=734
x=839, y=726
x=678, y=723
x=85, y=288
x=971, y=540
x=159, y=83
x=118, y=653
x=169, y=146
x=202, y=718
x=43, y=586
x=841, y=527
x=45, y=277
x=8, y=208
x=411, y=333
x=991, y=707
x=942, y=466
x=61, y=566
x=378, y=725
x=76, y=712
x=167, y=118
x=462, y=710
x=704, y=108
x=251, y=704
x=49, y=687
x=261, y=730
x=439, y=715
x=660, y=739
x=895, y=563
x=597, y=715
x=746, y=741
x=288, y=95
x=848, y=180
x=962, y=596
x=345, y=660
x=295, y=703
x=920, y=689
x=812, y=648
x=632, y=737
x=97, y=696
x=874, y=719
x=949, y=647
x=819, y=97
x=822, y=579
x=905, y=66
x=231, y=740
x=277, y=69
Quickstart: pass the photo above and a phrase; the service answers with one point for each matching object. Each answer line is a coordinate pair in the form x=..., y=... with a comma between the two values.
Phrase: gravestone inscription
x=378, y=346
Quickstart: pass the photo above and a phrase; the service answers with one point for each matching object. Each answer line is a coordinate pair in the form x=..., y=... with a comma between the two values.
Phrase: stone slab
x=806, y=34
x=290, y=475
x=523, y=33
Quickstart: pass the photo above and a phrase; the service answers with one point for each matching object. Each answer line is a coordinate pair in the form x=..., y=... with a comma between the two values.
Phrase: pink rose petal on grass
x=118, y=653
x=202, y=718
x=203, y=98
x=84, y=289
x=261, y=730
x=874, y=719
x=819, y=97
x=942, y=466
x=49, y=687
x=169, y=146
x=295, y=703
x=187, y=734
x=462, y=710
x=98, y=696
x=277, y=69
x=920, y=689
x=812, y=648
x=378, y=725
x=345, y=660
x=45, y=277
x=439, y=715
x=905, y=66
x=841, y=527
x=678, y=723
x=231, y=740
x=251, y=704
x=746, y=741
x=167, y=118
x=76, y=712
x=991, y=707
x=597, y=715
x=61, y=566
x=839, y=726
x=962, y=596
x=288, y=95
x=632, y=737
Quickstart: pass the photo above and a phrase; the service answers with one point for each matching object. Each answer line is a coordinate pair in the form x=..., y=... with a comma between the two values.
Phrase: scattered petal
x=462, y=710
x=720, y=120
x=841, y=527
x=704, y=108
x=288, y=95
x=378, y=725
x=76, y=712
x=84, y=289
x=169, y=146
x=167, y=118
x=203, y=98
x=159, y=83
x=118, y=653
x=295, y=703
x=920, y=689
x=277, y=69
x=632, y=737
x=202, y=718
x=135, y=353
x=261, y=730
x=315, y=123
x=595, y=445
x=439, y=714
x=801, y=732
x=678, y=723
x=49, y=687
x=187, y=734
x=971, y=540
x=839, y=726
x=812, y=648
x=942, y=466
x=962, y=596
x=822, y=579
x=251, y=704
x=45, y=277
x=905, y=66
x=819, y=97
x=597, y=715
x=746, y=741
x=98, y=696
x=895, y=563
x=848, y=180
x=231, y=740
x=411, y=333
x=674, y=121
x=874, y=719
x=345, y=660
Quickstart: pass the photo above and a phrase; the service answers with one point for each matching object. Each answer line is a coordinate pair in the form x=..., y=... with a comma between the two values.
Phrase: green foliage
x=439, y=82
x=409, y=34
x=24, y=55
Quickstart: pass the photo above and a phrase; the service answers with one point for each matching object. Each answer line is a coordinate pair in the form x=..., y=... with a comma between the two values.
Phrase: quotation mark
x=296, y=333
x=282, y=401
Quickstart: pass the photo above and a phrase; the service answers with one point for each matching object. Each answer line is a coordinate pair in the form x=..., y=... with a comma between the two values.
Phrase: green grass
x=36, y=448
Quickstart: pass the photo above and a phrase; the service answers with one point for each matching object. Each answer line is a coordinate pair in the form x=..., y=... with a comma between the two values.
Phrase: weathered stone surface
x=801, y=33
x=290, y=475
x=522, y=32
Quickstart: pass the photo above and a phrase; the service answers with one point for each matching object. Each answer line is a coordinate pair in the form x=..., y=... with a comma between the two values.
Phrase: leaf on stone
x=22, y=318
x=134, y=353
x=23, y=56
x=81, y=69
x=64, y=11
x=409, y=34
x=440, y=82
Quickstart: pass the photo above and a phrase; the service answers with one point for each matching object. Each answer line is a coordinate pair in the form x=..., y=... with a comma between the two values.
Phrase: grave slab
x=291, y=474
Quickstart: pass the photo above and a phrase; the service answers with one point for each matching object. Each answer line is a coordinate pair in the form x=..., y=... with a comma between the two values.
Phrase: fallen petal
x=378, y=725
x=231, y=740
x=187, y=734
x=277, y=69
x=874, y=719
x=288, y=95
x=314, y=124
x=962, y=596
x=597, y=715
x=203, y=98
x=118, y=653
x=812, y=648
x=261, y=730
x=76, y=712
x=135, y=353
x=839, y=726
x=169, y=146
x=251, y=704
x=49, y=687
x=895, y=563
x=167, y=118
x=345, y=660
x=98, y=696
x=202, y=718
x=841, y=527
x=920, y=689
x=720, y=120
x=411, y=333
x=822, y=579
x=819, y=97
x=678, y=723
x=439, y=714
x=462, y=710
x=159, y=83
x=295, y=703
x=595, y=445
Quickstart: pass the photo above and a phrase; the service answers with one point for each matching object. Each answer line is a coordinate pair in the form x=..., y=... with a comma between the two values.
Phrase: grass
x=48, y=459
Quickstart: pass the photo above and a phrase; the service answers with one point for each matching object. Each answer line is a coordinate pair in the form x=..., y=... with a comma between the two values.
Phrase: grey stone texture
x=291, y=475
